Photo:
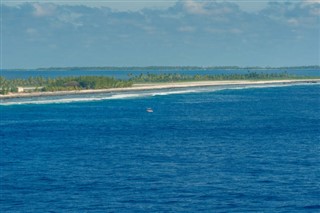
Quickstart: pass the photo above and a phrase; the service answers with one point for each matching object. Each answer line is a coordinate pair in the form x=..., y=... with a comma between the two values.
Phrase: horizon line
x=164, y=66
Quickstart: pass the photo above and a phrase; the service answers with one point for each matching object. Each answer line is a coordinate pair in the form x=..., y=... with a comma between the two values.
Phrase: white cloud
x=125, y=5
x=186, y=29
x=31, y=31
x=195, y=7
x=293, y=22
x=209, y=8
x=315, y=6
x=71, y=18
x=315, y=12
x=311, y=1
x=43, y=9
x=223, y=31
x=218, y=27
x=252, y=6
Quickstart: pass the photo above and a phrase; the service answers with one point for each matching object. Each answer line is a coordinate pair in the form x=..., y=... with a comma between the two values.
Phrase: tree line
x=146, y=78
x=62, y=83
x=104, y=82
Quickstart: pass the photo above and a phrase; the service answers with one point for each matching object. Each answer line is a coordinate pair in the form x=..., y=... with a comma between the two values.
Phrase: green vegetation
x=149, y=78
x=103, y=82
x=62, y=83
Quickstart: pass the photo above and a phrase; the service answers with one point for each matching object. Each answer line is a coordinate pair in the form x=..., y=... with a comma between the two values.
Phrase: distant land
x=166, y=68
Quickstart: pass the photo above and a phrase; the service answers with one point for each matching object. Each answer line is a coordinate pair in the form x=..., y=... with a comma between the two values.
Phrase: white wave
x=258, y=86
x=175, y=92
x=100, y=97
x=70, y=100
x=62, y=100
x=125, y=96
x=253, y=86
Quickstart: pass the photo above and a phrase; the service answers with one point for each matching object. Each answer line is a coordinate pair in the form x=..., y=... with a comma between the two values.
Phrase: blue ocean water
x=237, y=149
x=10, y=74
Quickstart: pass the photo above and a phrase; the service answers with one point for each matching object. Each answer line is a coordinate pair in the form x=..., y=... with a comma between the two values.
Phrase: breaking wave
x=139, y=94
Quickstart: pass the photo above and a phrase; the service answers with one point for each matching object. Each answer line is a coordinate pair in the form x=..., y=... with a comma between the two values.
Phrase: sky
x=159, y=33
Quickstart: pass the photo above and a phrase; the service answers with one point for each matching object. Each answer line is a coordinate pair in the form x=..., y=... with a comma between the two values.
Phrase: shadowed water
x=235, y=150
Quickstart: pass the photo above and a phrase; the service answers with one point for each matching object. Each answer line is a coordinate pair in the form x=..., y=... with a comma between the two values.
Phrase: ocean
x=213, y=149
x=11, y=74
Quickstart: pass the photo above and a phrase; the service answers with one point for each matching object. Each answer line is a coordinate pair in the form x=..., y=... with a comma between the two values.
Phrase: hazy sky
x=134, y=5
x=142, y=33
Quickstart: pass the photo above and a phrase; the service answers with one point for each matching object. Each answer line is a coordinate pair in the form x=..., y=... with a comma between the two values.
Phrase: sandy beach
x=156, y=86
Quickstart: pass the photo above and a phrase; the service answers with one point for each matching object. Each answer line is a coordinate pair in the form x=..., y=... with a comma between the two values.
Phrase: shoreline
x=156, y=86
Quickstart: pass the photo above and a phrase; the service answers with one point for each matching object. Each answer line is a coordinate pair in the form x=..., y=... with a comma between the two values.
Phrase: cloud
x=231, y=31
x=314, y=8
x=31, y=31
x=190, y=32
x=186, y=29
x=293, y=21
x=72, y=18
x=211, y=8
x=195, y=7
x=311, y=1
x=294, y=14
x=43, y=9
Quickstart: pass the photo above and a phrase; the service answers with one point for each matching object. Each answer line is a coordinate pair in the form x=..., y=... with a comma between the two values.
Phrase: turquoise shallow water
x=211, y=150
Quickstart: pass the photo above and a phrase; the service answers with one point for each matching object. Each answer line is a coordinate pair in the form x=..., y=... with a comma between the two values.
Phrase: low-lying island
x=157, y=86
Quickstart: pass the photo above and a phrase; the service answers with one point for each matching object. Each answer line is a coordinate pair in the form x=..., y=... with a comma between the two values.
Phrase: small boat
x=149, y=110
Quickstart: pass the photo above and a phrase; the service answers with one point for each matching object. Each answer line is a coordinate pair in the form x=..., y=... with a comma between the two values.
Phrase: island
x=39, y=86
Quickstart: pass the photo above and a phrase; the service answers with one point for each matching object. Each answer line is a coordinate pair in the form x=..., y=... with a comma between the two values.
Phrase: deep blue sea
x=214, y=149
